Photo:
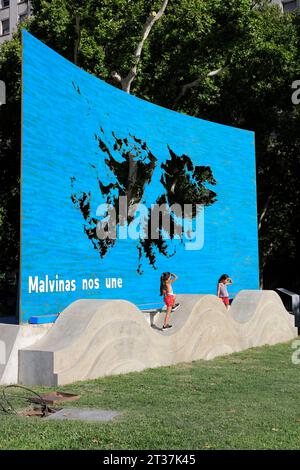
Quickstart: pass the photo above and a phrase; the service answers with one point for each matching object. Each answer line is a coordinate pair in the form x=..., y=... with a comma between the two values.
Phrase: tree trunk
x=126, y=82
x=77, y=39
x=265, y=210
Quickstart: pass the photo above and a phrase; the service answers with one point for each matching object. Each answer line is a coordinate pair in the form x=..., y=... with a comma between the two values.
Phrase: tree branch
x=265, y=210
x=197, y=82
x=116, y=76
x=126, y=82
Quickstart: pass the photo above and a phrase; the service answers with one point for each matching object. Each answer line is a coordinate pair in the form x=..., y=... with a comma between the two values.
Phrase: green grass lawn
x=249, y=400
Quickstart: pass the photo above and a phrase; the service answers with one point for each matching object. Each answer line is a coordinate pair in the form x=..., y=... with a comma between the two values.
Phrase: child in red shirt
x=166, y=290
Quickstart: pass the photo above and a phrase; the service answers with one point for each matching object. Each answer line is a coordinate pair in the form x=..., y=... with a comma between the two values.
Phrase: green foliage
x=259, y=47
x=248, y=400
x=10, y=139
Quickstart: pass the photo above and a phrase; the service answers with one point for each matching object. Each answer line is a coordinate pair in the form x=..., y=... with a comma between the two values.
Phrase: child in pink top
x=223, y=282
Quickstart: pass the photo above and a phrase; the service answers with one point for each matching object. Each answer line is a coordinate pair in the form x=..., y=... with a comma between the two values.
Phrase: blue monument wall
x=86, y=146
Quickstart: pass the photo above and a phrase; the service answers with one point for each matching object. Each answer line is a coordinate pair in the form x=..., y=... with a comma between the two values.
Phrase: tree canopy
x=232, y=62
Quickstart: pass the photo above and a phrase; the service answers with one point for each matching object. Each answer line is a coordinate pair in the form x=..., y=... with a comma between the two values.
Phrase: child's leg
x=167, y=317
x=174, y=299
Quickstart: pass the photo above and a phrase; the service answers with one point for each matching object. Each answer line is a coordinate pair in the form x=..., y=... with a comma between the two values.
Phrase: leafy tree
x=10, y=139
x=231, y=62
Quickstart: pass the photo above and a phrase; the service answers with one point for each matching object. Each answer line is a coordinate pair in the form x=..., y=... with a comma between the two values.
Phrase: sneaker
x=175, y=307
x=166, y=327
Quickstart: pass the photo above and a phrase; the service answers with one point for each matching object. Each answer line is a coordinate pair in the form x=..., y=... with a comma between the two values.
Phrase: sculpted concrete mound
x=94, y=338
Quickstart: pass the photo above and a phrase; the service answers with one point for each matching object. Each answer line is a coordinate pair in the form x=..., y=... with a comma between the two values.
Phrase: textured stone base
x=94, y=338
x=83, y=414
x=12, y=339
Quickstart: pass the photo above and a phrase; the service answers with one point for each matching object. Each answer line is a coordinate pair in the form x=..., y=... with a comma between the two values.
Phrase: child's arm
x=219, y=287
x=230, y=281
x=174, y=278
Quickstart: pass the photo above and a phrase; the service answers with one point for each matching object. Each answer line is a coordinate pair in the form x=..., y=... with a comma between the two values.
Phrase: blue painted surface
x=63, y=109
x=42, y=319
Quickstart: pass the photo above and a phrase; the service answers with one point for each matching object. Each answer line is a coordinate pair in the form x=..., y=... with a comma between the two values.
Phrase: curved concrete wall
x=94, y=338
